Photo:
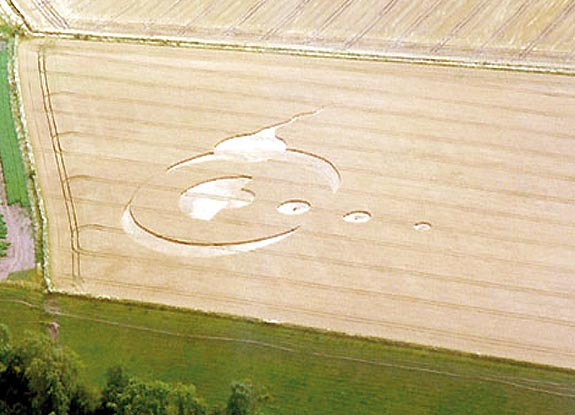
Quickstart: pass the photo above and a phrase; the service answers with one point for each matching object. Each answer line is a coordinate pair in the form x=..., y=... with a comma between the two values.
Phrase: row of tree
x=40, y=377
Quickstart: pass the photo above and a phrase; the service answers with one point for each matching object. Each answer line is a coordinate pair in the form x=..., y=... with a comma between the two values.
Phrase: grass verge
x=308, y=372
x=15, y=177
x=4, y=244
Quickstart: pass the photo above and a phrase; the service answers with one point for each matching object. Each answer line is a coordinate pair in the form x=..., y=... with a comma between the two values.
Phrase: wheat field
x=417, y=203
x=522, y=33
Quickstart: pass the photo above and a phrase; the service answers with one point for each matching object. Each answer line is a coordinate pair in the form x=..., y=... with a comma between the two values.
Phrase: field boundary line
x=37, y=208
x=297, y=50
x=345, y=318
x=13, y=15
x=295, y=350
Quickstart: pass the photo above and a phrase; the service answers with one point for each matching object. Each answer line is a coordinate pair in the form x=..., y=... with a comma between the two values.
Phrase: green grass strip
x=3, y=228
x=15, y=176
x=4, y=244
x=308, y=372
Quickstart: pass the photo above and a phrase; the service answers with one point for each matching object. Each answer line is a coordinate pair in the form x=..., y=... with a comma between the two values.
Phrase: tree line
x=40, y=377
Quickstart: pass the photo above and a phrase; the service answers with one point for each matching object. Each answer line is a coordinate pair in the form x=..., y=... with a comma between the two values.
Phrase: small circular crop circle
x=294, y=207
x=357, y=216
x=422, y=226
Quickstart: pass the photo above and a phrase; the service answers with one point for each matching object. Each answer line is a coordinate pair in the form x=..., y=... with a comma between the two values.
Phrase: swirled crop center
x=221, y=202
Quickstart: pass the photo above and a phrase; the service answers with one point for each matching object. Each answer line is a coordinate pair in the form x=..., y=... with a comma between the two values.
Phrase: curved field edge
x=307, y=371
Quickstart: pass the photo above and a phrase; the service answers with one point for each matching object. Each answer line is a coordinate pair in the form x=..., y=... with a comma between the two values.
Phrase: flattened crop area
x=424, y=204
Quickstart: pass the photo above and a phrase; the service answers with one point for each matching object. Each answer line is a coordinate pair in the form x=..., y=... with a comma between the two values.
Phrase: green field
x=306, y=371
x=15, y=176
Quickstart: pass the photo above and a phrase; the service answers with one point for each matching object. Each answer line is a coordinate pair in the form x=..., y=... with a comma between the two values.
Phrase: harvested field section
x=523, y=33
x=122, y=132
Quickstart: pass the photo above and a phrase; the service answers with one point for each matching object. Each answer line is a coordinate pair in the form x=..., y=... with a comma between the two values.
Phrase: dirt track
x=489, y=166
x=20, y=254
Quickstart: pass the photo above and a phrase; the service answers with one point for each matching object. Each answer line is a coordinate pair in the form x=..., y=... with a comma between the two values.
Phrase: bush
x=37, y=377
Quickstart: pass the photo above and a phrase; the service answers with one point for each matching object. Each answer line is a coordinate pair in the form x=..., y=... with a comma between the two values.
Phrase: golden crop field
x=519, y=32
x=418, y=203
